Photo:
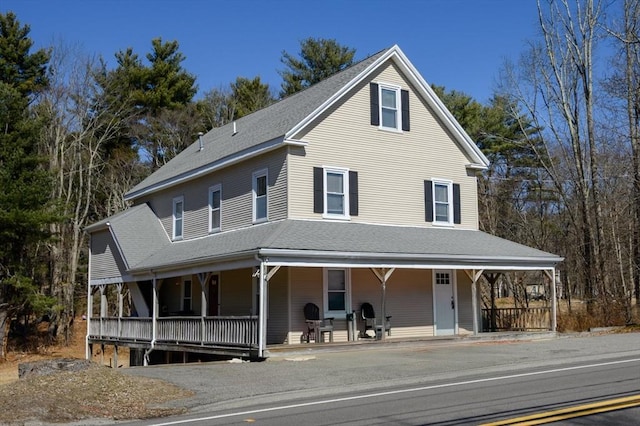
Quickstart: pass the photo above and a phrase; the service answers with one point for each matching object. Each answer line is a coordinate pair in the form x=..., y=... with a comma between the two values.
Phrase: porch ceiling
x=318, y=243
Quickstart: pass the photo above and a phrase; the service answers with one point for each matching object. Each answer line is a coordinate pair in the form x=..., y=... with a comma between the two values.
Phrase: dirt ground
x=9, y=368
x=97, y=392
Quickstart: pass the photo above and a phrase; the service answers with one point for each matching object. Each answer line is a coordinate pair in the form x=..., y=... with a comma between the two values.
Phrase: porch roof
x=347, y=243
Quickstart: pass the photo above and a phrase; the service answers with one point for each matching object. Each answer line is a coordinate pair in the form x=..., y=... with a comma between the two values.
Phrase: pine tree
x=25, y=209
x=318, y=59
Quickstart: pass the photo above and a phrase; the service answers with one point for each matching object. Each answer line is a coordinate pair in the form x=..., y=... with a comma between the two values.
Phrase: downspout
x=154, y=322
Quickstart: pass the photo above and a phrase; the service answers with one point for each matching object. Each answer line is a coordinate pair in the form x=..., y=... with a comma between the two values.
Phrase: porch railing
x=214, y=331
x=516, y=319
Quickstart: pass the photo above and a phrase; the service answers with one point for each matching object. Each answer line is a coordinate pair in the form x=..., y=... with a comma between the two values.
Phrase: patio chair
x=369, y=318
x=316, y=326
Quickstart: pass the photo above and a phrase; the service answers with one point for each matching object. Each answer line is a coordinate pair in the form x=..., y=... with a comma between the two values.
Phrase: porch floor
x=308, y=349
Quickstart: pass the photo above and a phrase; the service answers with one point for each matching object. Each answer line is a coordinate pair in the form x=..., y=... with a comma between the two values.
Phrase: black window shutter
x=318, y=190
x=375, y=105
x=428, y=201
x=404, y=98
x=456, y=203
x=353, y=193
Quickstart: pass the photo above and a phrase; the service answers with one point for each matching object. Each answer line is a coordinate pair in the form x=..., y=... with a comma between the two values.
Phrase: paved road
x=321, y=375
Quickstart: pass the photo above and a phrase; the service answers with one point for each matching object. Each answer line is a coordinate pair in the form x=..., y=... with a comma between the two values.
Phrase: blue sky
x=460, y=44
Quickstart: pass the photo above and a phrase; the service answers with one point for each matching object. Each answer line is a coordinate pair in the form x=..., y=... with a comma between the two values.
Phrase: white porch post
x=154, y=321
x=475, y=276
x=204, y=302
x=262, y=317
x=383, y=275
x=87, y=350
x=554, y=304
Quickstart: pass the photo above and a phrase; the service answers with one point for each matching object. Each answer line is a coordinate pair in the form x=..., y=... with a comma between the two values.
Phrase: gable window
x=178, y=217
x=337, y=291
x=442, y=202
x=389, y=107
x=335, y=192
x=215, y=208
x=260, y=196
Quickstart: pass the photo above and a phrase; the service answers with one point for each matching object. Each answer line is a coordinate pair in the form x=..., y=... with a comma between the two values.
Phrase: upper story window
x=389, y=107
x=178, y=217
x=260, y=196
x=335, y=192
x=442, y=202
x=215, y=208
x=337, y=292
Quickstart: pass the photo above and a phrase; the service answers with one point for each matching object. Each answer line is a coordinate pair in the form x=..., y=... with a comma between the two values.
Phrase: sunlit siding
x=278, y=320
x=237, y=185
x=105, y=258
x=465, y=304
x=391, y=166
x=236, y=292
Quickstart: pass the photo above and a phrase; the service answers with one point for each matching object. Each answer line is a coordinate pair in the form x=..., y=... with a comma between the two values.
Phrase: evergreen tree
x=25, y=209
x=318, y=59
x=249, y=96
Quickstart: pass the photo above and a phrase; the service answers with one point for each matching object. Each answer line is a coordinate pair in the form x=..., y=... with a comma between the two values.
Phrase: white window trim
x=213, y=189
x=449, y=184
x=254, y=180
x=397, y=89
x=325, y=293
x=176, y=201
x=186, y=280
x=345, y=187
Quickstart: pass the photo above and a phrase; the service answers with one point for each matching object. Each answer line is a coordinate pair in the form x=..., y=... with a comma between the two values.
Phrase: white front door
x=444, y=303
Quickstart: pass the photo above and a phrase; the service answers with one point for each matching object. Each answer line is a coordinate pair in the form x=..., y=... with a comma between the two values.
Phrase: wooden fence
x=206, y=331
x=516, y=319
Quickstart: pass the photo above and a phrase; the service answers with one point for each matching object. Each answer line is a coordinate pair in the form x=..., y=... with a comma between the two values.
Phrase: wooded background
x=562, y=132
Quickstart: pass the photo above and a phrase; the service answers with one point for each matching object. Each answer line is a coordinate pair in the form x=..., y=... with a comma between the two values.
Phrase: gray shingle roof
x=253, y=130
x=347, y=240
x=138, y=233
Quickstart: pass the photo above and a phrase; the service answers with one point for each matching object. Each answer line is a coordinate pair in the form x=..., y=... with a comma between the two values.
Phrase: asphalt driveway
x=322, y=373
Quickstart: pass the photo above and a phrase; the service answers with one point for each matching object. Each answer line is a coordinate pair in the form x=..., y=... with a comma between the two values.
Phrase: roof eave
x=414, y=260
x=255, y=151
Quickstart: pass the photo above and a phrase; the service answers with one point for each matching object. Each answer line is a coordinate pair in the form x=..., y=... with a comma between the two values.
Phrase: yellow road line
x=571, y=412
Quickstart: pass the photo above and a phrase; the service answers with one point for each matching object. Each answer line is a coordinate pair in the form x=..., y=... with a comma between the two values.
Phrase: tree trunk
x=5, y=323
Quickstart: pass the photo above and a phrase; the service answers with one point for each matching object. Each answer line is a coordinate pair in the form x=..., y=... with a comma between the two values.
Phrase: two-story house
x=359, y=189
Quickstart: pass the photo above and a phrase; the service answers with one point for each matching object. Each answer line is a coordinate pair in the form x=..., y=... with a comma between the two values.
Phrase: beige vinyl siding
x=236, y=205
x=465, y=304
x=278, y=320
x=306, y=286
x=391, y=166
x=236, y=292
x=408, y=300
x=105, y=258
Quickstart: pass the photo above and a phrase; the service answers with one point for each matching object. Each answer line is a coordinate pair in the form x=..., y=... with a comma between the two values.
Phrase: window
x=186, y=296
x=178, y=217
x=335, y=192
x=336, y=291
x=442, y=202
x=389, y=107
x=443, y=278
x=260, y=196
x=215, y=206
